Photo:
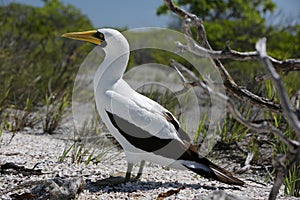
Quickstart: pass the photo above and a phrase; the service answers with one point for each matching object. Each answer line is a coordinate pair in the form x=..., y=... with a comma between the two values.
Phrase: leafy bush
x=34, y=60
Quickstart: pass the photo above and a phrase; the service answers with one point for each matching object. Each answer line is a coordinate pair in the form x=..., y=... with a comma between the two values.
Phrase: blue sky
x=141, y=13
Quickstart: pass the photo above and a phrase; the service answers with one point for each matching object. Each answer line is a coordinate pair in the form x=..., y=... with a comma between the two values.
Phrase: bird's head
x=98, y=37
x=93, y=36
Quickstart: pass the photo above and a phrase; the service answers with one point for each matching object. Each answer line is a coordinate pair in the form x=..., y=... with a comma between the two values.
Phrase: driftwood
x=281, y=163
x=12, y=168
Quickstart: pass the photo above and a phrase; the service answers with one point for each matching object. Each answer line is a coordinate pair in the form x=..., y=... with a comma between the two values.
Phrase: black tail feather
x=215, y=172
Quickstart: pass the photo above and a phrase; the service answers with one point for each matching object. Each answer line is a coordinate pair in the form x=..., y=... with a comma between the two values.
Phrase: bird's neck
x=114, y=64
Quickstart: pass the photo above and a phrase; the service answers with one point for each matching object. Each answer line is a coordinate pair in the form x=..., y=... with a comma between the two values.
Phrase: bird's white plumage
x=147, y=118
x=113, y=94
x=145, y=129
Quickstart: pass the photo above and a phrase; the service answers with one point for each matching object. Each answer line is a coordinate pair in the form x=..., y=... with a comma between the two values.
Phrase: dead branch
x=230, y=85
x=288, y=110
x=281, y=163
x=263, y=127
x=228, y=53
x=12, y=168
x=171, y=192
x=247, y=163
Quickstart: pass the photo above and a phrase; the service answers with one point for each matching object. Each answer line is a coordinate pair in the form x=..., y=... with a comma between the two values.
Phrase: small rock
x=221, y=195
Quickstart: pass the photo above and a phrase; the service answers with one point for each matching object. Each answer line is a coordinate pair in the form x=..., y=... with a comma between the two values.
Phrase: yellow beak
x=88, y=36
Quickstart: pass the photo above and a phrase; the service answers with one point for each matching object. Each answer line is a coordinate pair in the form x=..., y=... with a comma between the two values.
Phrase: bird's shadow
x=134, y=185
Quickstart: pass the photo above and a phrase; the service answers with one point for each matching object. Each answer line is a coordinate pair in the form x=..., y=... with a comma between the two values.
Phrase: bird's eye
x=99, y=35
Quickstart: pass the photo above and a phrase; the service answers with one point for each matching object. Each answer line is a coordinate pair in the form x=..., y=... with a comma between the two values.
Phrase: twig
x=261, y=127
x=180, y=12
x=228, y=53
x=186, y=84
x=247, y=163
x=164, y=195
x=195, y=80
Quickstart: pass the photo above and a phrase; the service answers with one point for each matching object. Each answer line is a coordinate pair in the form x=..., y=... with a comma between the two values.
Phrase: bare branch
x=230, y=85
x=262, y=127
x=281, y=163
x=195, y=21
x=293, y=153
x=187, y=85
x=288, y=110
x=259, y=128
x=180, y=12
x=247, y=163
x=227, y=53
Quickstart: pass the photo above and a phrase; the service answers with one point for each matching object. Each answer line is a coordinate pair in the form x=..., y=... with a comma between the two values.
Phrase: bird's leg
x=128, y=172
x=139, y=174
x=117, y=179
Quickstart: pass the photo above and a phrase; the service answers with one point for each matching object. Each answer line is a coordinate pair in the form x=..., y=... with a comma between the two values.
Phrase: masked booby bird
x=144, y=129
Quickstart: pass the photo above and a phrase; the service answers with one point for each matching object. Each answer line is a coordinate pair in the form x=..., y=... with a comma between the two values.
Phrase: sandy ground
x=27, y=150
